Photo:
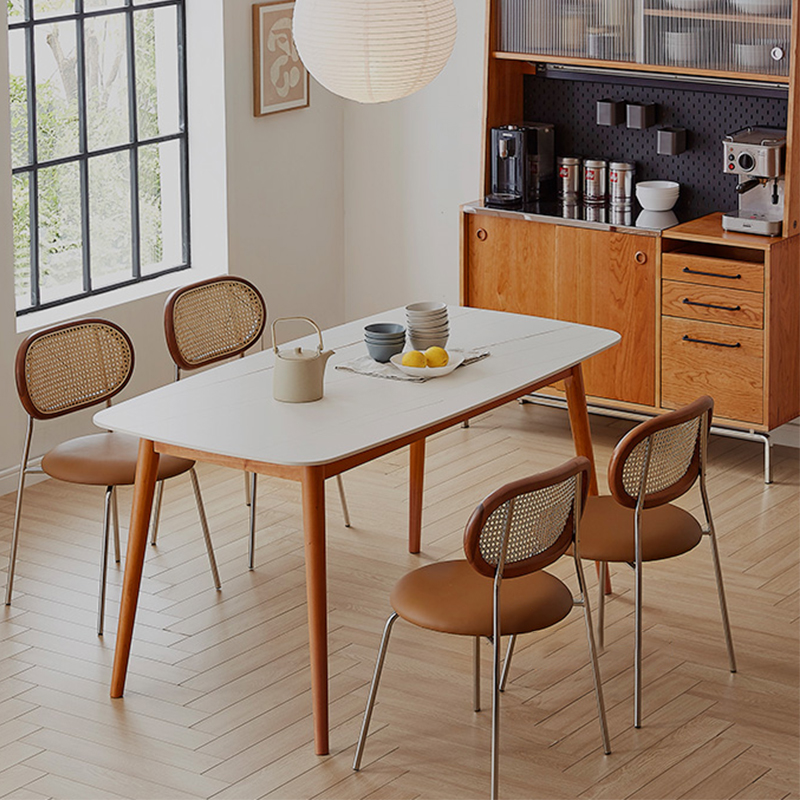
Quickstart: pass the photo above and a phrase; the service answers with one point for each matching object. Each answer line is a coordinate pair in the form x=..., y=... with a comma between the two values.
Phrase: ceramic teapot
x=299, y=374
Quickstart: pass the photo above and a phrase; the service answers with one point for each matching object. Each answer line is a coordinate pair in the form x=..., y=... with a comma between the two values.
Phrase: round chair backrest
x=72, y=366
x=536, y=514
x=662, y=457
x=212, y=320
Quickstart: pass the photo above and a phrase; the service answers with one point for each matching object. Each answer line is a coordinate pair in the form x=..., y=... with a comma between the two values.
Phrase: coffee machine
x=522, y=164
x=757, y=157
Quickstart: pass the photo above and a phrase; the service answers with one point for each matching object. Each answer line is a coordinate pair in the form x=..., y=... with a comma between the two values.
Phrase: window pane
x=157, y=94
x=160, y=206
x=16, y=11
x=106, y=81
x=56, y=91
x=110, y=218
x=89, y=5
x=52, y=8
x=22, y=239
x=18, y=97
x=60, y=248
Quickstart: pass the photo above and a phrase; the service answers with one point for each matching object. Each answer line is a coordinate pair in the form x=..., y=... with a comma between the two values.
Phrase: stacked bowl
x=657, y=195
x=384, y=339
x=427, y=325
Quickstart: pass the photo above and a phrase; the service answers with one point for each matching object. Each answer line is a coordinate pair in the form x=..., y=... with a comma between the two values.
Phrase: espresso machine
x=522, y=164
x=757, y=157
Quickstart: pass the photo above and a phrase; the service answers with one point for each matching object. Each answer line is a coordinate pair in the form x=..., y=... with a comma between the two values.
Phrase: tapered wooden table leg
x=416, y=481
x=316, y=592
x=579, y=421
x=581, y=434
x=146, y=471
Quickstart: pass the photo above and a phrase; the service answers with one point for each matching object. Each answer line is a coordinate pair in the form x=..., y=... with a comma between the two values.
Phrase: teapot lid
x=298, y=354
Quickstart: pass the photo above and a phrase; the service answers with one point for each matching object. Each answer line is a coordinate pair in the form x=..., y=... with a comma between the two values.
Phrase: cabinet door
x=510, y=265
x=609, y=279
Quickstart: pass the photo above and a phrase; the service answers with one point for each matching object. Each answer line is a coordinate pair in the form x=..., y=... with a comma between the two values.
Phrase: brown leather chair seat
x=607, y=531
x=105, y=459
x=452, y=597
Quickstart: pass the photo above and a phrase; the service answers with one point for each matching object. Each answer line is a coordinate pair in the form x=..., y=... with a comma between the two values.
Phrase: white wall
x=408, y=167
x=268, y=206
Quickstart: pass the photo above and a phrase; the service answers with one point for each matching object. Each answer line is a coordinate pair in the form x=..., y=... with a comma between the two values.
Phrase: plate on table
x=456, y=360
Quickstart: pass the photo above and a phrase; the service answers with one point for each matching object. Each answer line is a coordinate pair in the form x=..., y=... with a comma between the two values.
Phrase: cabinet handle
x=712, y=274
x=640, y=257
x=481, y=234
x=705, y=341
x=689, y=302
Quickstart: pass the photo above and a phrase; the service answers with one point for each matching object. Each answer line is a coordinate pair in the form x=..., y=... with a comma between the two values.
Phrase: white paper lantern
x=374, y=50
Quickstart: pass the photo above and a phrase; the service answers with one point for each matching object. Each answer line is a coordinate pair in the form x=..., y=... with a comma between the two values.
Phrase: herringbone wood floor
x=218, y=702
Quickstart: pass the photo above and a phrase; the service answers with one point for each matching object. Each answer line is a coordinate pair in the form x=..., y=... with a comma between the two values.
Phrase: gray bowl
x=379, y=329
x=383, y=352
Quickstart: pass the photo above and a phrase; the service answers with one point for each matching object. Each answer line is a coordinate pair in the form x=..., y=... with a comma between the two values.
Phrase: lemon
x=413, y=358
x=436, y=357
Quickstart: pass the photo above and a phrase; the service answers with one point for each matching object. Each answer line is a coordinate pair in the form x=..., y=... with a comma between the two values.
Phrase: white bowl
x=426, y=308
x=424, y=344
x=681, y=46
x=456, y=359
x=753, y=56
x=429, y=327
x=657, y=195
x=762, y=6
x=691, y=5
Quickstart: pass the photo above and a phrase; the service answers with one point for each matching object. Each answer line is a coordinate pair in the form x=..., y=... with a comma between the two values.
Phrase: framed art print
x=280, y=81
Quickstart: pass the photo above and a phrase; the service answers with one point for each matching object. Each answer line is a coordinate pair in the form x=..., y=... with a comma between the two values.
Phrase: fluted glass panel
x=745, y=36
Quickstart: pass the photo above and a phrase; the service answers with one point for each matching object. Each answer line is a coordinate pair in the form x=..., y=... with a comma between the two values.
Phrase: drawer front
x=723, y=361
x=712, y=304
x=713, y=271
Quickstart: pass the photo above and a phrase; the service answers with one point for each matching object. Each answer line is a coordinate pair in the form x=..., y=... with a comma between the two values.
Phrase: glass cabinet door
x=740, y=36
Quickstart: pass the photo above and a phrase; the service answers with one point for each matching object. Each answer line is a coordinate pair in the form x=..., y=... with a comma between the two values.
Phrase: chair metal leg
x=723, y=606
x=598, y=684
x=637, y=646
x=115, y=520
x=201, y=512
x=252, y=493
x=157, y=512
x=476, y=674
x=343, y=500
x=12, y=553
x=373, y=691
x=507, y=661
x=495, y=689
x=601, y=605
x=101, y=602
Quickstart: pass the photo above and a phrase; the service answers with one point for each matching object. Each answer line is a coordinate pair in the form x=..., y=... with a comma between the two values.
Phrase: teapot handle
x=286, y=319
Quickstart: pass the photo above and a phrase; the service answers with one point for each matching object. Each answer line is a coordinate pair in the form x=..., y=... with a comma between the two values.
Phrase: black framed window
x=99, y=145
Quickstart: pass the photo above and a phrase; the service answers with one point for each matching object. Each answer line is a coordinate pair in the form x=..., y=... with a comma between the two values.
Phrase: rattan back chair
x=501, y=588
x=210, y=321
x=66, y=368
x=656, y=463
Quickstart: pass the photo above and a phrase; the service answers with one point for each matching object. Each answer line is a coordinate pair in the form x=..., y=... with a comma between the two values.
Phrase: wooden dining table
x=227, y=416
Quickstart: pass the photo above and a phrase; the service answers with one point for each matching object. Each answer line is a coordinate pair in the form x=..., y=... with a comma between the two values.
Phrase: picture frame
x=280, y=80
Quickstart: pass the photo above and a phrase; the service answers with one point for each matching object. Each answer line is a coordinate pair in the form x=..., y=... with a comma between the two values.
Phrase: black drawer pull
x=689, y=302
x=712, y=274
x=705, y=341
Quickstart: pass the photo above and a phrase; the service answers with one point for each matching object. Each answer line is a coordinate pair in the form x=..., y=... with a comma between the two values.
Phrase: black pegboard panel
x=707, y=117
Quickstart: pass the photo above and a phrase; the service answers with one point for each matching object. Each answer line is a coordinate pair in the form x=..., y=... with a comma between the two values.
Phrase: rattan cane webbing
x=537, y=522
x=671, y=454
x=217, y=319
x=76, y=366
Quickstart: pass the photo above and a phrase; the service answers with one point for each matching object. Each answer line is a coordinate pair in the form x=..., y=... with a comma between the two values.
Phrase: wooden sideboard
x=700, y=310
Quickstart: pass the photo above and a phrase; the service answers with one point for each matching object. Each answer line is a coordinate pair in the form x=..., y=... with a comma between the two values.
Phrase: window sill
x=92, y=306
